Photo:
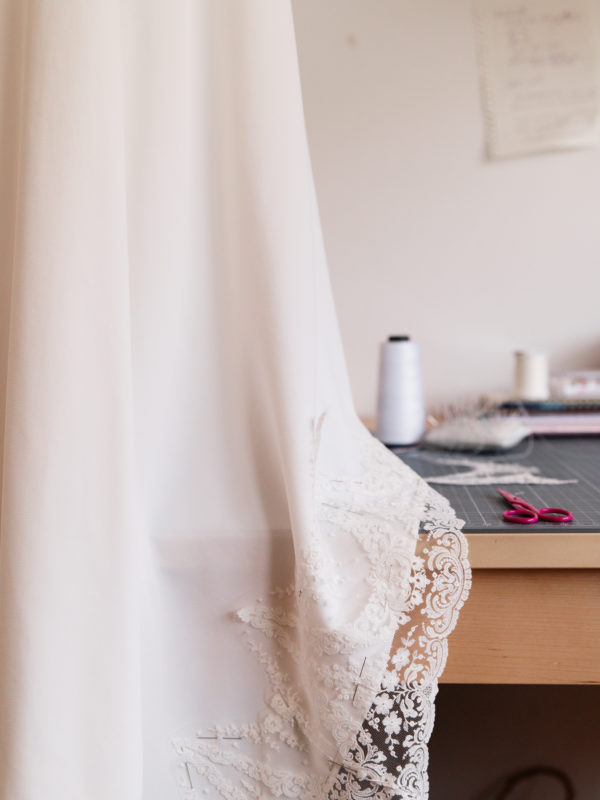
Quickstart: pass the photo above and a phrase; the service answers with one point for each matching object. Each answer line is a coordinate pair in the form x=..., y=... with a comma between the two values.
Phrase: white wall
x=471, y=258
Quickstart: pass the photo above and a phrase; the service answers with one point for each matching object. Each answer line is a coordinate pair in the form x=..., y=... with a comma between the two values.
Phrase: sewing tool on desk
x=531, y=376
x=523, y=513
x=400, y=404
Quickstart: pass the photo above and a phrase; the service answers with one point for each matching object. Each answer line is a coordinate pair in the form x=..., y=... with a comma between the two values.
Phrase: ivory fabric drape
x=204, y=557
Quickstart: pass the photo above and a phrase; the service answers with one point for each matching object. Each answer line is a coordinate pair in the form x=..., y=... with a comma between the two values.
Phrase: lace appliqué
x=390, y=757
x=344, y=720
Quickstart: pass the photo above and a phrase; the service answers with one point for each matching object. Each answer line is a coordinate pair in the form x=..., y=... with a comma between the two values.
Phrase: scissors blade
x=510, y=498
x=521, y=511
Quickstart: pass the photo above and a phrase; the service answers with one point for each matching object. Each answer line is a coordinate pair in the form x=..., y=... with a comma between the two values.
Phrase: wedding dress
x=213, y=583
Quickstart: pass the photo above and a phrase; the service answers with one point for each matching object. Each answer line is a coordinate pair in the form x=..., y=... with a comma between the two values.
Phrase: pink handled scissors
x=526, y=514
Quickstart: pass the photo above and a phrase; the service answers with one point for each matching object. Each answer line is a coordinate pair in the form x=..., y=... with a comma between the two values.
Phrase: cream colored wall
x=473, y=259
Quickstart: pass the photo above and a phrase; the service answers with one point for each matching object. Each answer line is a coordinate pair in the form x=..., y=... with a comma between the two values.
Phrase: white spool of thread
x=400, y=404
x=531, y=376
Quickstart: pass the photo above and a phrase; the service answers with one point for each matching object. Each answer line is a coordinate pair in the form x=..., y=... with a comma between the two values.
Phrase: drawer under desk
x=528, y=626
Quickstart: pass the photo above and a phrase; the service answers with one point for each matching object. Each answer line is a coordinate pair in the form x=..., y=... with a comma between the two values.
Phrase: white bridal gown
x=204, y=556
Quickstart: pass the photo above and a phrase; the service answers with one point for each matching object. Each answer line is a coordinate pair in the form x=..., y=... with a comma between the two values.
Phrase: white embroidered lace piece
x=352, y=670
x=483, y=473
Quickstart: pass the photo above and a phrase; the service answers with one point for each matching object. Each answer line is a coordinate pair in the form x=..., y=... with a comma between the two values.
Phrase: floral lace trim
x=337, y=700
x=390, y=757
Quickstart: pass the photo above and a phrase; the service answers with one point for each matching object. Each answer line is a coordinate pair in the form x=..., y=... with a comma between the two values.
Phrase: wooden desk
x=533, y=615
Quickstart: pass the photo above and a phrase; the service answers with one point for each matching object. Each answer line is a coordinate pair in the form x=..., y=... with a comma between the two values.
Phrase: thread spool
x=531, y=376
x=400, y=404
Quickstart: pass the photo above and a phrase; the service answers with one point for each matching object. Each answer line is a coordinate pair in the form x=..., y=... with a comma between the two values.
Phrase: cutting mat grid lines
x=568, y=458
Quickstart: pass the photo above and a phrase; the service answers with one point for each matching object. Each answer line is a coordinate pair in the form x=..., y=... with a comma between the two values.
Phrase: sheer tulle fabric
x=213, y=583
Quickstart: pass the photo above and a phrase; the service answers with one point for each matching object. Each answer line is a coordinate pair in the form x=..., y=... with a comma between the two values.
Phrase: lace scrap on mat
x=478, y=472
x=337, y=698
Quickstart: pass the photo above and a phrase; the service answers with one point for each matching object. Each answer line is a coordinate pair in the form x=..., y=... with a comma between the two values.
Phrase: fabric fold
x=215, y=582
x=71, y=723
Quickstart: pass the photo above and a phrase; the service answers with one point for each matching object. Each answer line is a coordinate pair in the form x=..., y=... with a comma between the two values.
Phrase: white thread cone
x=400, y=404
x=531, y=376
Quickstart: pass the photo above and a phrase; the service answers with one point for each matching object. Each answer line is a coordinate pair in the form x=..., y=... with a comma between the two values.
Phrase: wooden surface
x=527, y=549
x=528, y=626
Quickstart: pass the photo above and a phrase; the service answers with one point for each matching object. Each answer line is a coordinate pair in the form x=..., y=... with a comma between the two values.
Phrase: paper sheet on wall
x=539, y=74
